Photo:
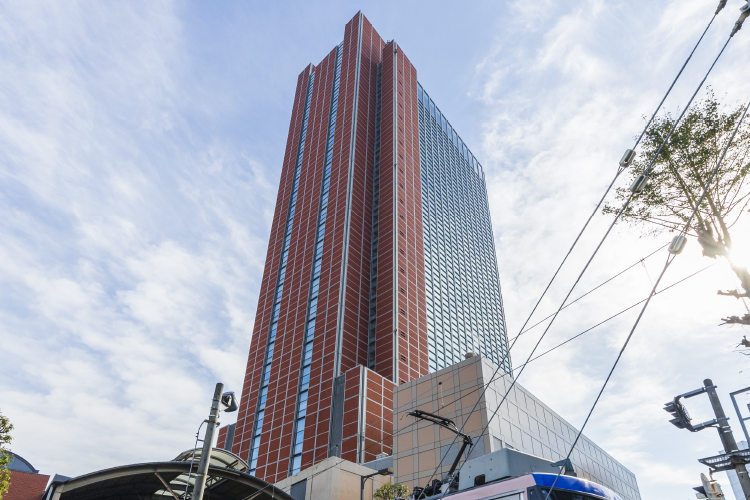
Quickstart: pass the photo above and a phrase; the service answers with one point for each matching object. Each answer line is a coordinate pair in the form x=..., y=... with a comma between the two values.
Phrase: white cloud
x=131, y=250
x=137, y=195
x=565, y=95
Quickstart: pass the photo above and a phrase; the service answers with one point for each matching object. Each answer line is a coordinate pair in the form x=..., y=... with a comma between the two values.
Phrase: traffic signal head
x=681, y=416
x=710, y=489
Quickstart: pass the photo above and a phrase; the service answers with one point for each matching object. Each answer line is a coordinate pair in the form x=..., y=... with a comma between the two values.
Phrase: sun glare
x=740, y=258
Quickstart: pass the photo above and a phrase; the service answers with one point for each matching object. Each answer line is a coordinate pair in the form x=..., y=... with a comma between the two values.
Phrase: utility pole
x=726, y=435
x=733, y=457
x=208, y=439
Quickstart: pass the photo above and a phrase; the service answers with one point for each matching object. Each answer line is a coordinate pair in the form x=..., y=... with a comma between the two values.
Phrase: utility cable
x=620, y=170
x=394, y=434
x=623, y=164
x=670, y=257
x=583, y=332
x=593, y=289
x=460, y=395
x=598, y=247
x=192, y=458
x=615, y=315
x=515, y=339
x=653, y=116
x=403, y=429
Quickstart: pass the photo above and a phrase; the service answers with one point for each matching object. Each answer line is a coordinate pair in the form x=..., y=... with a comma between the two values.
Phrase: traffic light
x=710, y=489
x=681, y=416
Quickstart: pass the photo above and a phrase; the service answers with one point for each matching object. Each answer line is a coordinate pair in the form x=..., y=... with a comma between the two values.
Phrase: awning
x=165, y=481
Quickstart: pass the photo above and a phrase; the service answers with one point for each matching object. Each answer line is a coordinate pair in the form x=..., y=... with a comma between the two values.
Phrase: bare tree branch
x=681, y=172
x=736, y=320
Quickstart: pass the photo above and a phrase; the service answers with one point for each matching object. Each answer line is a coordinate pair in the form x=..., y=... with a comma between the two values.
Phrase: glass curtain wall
x=462, y=287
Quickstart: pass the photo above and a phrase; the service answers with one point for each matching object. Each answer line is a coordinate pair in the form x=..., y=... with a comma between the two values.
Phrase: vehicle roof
x=520, y=483
x=575, y=484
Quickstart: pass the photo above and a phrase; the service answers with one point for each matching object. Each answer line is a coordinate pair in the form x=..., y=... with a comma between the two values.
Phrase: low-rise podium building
x=523, y=423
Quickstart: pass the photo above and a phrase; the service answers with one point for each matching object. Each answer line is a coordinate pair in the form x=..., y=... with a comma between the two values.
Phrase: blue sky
x=140, y=152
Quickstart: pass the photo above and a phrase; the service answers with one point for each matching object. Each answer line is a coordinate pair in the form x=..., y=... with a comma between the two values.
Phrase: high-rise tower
x=380, y=268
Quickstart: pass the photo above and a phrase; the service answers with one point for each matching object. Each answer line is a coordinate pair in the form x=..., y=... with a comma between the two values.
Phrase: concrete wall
x=334, y=479
x=523, y=423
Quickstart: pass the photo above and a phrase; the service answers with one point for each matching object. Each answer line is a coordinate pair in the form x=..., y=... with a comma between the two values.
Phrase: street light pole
x=382, y=472
x=208, y=439
x=725, y=433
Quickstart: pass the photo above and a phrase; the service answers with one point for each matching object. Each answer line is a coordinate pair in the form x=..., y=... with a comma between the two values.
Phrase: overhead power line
x=615, y=315
x=592, y=290
x=644, y=178
x=627, y=158
x=670, y=257
x=462, y=395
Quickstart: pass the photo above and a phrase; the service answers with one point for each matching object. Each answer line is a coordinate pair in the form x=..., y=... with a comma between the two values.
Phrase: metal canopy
x=162, y=481
x=219, y=458
x=726, y=461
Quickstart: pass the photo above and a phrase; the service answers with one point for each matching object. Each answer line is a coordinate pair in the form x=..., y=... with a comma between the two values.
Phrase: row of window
x=445, y=126
x=448, y=298
x=463, y=299
x=450, y=186
x=371, y=334
x=260, y=413
x=454, y=203
x=304, y=385
x=449, y=196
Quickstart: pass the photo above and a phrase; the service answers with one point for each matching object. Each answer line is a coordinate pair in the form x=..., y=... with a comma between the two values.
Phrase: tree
x=389, y=491
x=5, y=428
x=682, y=171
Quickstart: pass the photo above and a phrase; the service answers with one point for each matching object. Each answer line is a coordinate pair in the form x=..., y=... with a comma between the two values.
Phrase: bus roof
x=575, y=484
x=520, y=483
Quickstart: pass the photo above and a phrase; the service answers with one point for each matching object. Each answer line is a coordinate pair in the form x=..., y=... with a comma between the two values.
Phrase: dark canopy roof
x=163, y=481
x=17, y=462
x=219, y=458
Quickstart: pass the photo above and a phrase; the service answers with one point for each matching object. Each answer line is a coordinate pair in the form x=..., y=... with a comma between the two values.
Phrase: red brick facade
x=343, y=308
x=26, y=486
x=401, y=325
x=251, y=386
x=221, y=440
x=368, y=415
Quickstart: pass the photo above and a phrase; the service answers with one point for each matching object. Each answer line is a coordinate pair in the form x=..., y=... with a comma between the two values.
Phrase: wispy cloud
x=565, y=88
x=131, y=248
x=140, y=147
